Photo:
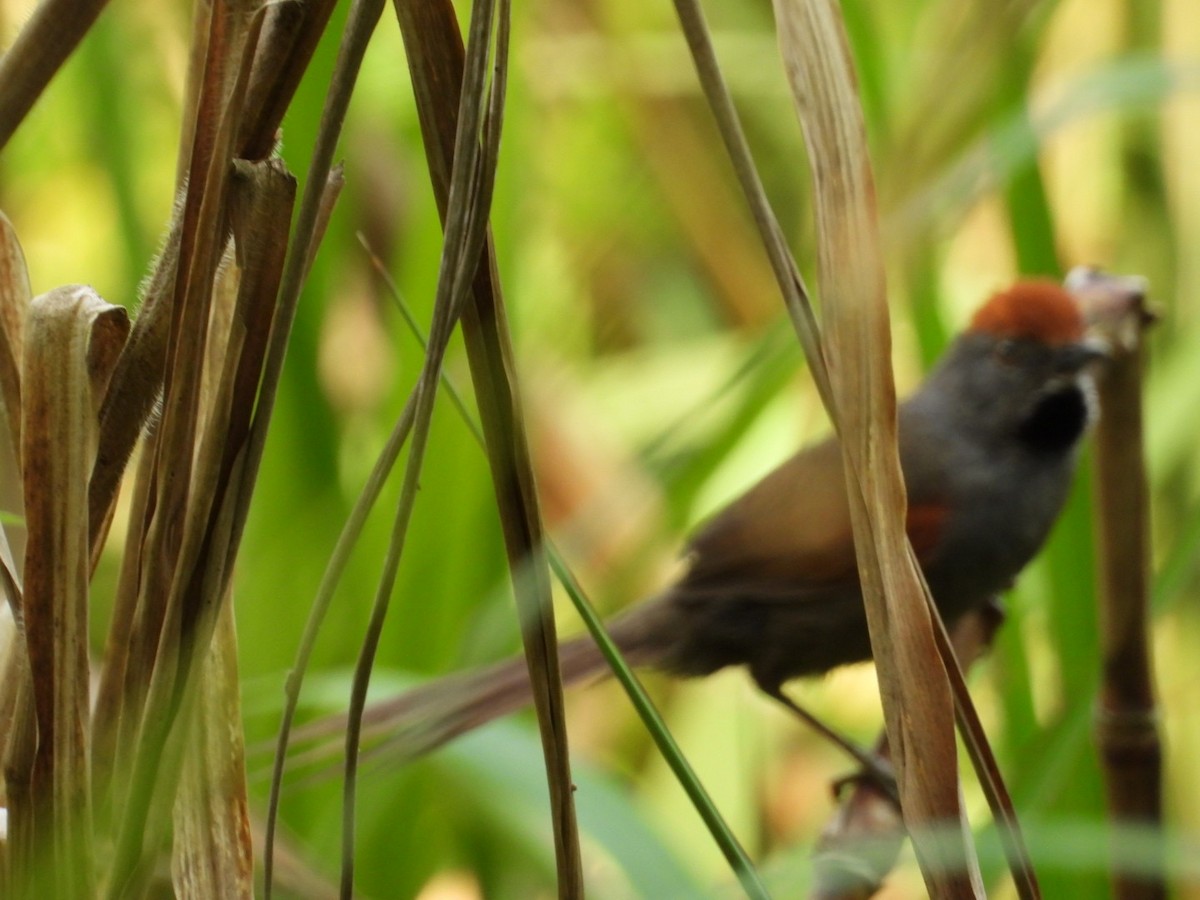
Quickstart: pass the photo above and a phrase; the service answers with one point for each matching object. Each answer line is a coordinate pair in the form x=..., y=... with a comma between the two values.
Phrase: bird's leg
x=874, y=766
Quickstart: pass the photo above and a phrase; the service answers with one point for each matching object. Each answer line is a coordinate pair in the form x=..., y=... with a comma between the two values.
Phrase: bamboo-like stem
x=1126, y=722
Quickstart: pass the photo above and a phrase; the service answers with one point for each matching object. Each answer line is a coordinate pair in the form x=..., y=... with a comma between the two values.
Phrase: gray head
x=1021, y=369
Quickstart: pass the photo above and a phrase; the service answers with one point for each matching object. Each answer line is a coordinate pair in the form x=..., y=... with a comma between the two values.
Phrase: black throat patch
x=1057, y=421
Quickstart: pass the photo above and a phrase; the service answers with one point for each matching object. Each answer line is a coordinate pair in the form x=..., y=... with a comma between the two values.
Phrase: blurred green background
x=660, y=379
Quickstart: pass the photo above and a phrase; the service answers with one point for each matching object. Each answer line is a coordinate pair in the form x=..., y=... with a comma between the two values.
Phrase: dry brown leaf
x=10, y=638
x=73, y=338
x=917, y=700
x=14, y=302
x=212, y=853
x=136, y=385
x=10, y=610
x=166, y=667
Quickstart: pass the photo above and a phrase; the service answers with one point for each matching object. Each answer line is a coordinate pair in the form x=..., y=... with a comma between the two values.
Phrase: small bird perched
x=987, y=447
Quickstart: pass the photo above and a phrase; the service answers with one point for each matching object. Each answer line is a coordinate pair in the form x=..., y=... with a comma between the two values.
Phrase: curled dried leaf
x=14, y=301
x=73, y=338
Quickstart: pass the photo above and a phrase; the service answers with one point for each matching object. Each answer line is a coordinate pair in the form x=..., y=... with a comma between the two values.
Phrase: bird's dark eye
x=1006, y=351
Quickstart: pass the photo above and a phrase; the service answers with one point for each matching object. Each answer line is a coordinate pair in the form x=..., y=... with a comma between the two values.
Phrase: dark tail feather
x=434, y=714
x=423, y=719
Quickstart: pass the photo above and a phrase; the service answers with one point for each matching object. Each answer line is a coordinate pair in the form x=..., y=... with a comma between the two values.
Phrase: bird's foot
x=877, y=773
x=875, y=768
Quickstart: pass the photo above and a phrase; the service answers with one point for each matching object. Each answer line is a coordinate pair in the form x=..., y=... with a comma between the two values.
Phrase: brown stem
x=860, y=845
x=1126, y=722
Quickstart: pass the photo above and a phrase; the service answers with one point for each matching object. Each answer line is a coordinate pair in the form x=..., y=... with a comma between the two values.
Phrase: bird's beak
x=1078, y=356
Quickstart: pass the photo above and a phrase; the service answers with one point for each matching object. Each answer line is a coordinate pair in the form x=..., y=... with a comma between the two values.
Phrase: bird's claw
x=877, y=773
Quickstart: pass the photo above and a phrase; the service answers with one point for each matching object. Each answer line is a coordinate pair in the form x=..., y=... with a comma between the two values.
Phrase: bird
x=987, y=446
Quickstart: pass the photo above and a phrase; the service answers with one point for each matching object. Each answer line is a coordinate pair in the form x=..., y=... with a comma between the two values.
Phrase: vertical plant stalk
x=43, y=45
x=346, y=542
x=290, y=32
x=212, y=852
x=261, y=197
x=319, y=189
x=72, y=340
x=111, y=729
x=787, y=274
x=289, y=38
x=14, y=303
x=917, y=701
x=438, y=67
x=379, y=718
x=20, y=747
x=797, y=303
x=216, y=358
x=860, y=845
x=136, y=386
x=15, y=295
x=736, y=855
x=1126, y=720
x=168, y=531
x=315, y=204
x=212, y=818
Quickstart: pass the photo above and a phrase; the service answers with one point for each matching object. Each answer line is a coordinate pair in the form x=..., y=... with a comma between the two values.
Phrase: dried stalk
x=72, y=340
x=917, y=701
x=261, y=199
x=787, y=274
x=170, y=530
x=1126, y=719
x=211, y=817
x=289, y=37
x=206, y=334
x=48, y=38
x=199, y=454
x=14, y=302
x=136, y=386
x=289, y=34
x=436, y=60
x=319, y=190
x=860, y=845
